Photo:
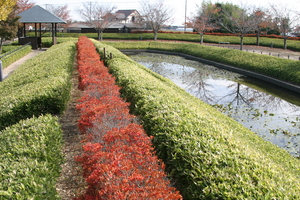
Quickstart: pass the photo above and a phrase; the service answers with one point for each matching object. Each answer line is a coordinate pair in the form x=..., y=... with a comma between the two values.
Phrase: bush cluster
x=118, y=160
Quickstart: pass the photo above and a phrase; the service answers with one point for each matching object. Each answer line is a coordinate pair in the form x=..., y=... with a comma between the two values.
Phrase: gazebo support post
x=24, y=29
x=53, y=34
x=35, y=35
x=55, y=29
x=40, y=24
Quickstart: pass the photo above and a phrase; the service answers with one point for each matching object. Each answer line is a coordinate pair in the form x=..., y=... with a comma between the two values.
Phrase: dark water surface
x=269, y=111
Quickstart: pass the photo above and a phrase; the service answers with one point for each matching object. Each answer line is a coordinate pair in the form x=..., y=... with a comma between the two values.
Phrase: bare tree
x=240, y=22
x=98, y=16
x=203, y=21
x=262, y=20
x=155, y=15
x=24, y=5
x=284, y=18
x=60, y=11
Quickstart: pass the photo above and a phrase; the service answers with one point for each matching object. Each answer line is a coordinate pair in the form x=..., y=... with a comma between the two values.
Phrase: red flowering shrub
x=118, y=160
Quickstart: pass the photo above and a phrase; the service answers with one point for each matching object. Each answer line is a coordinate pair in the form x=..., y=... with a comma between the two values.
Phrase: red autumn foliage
x=118, y=160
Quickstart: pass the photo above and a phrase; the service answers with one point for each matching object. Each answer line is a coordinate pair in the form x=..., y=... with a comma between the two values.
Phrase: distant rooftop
x=126, y=12
x=37, y=14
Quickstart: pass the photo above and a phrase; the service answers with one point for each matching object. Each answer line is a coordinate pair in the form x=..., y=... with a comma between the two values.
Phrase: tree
x=155, y=15
x=60, y=11
x=238, y=22
x=6, y=6
x=9, y=27
x=203, y=21
x=23, y=5
x=262, y=21
x=284, y=18
x=98, y=16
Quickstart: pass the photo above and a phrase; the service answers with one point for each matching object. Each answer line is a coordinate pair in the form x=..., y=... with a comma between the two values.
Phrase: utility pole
x=185, y=16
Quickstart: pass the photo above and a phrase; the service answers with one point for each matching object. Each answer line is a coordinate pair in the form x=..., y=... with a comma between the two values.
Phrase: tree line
x=244, y=19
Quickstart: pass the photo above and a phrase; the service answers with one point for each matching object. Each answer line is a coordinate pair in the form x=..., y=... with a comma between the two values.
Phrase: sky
x=181, y=8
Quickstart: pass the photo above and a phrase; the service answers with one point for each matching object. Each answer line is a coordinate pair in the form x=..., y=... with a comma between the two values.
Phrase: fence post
x=1, y=71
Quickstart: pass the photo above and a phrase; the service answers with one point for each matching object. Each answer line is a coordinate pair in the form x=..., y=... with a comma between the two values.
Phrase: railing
x=12, y=51
x=6, y=55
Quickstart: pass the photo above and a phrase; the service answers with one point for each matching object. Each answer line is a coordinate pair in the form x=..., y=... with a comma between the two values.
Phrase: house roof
x=126, y=12
x=37, y=14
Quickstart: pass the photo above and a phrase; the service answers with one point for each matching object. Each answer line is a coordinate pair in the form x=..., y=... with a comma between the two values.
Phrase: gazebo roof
x=37, y=14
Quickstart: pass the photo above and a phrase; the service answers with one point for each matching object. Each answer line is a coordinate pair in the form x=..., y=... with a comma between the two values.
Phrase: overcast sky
x=178, y=6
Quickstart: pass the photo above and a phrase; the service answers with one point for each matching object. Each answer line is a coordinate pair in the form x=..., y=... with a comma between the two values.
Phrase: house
x=123, y=21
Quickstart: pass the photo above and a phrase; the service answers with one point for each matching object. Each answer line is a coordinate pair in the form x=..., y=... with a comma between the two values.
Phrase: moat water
x=269, y=111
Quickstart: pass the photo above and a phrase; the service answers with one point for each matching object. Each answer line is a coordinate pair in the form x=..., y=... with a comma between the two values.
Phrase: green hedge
x=39, y=86
x=30, y=154
x=207, y=154
x=15, y=55
x=284, y=69
x=264, y=41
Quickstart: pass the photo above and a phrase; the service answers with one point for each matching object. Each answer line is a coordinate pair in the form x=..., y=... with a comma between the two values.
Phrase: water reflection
x=271, y=117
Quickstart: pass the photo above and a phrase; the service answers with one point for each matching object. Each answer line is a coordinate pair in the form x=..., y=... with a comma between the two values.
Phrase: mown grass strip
x=30, y=154
x=283, y=69
x=39, y=86
x=208, y=155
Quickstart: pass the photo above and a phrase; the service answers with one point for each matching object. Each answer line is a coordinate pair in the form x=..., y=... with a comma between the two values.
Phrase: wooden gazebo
x=37, y=15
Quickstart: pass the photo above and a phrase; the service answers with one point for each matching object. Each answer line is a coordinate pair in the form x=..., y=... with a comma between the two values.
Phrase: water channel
x=269, y=111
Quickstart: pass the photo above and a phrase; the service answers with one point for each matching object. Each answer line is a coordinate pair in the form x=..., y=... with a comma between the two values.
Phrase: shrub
x=118, y=159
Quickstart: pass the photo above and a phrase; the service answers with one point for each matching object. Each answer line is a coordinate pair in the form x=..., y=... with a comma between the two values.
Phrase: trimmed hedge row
x=209, y=155
x=284, y=69
x=30, y=154
x=15, y=55
x=41, y=85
